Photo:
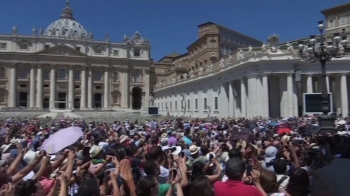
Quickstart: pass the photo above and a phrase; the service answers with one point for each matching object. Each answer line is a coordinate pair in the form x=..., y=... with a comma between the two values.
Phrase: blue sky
x=171, y=25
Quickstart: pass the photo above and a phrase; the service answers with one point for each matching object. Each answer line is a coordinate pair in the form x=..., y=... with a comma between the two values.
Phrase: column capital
x=122, y=69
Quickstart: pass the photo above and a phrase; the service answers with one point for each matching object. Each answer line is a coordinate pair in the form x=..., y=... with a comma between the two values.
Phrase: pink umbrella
x=61, y=139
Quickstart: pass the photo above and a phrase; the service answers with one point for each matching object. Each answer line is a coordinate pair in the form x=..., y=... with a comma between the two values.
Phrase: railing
x=242, y=56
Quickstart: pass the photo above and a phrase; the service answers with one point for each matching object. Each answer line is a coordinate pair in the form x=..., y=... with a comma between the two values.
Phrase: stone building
x=63, y=66
x=267, y=80
x=214, y=42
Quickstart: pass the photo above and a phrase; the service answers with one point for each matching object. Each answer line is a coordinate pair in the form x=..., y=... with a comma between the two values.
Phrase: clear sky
x=171, y=25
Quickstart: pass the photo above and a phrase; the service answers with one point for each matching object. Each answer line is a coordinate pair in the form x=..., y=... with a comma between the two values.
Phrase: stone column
x=231, y=105
x=309, y=84
x=53, y=87
x=32, y=86
x=89, y=89
x=39, y=87
x=106, y=89
x=147, y=82
x=70, y=88
x=290, y=91
x=344, y=95
x=12, y=99
x=83, y=88
x=243, y=98
x=252, y=96
x=265, y=96
x=125, y=79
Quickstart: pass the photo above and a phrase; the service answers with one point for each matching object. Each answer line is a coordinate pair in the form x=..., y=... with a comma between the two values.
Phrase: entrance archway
x=62, y=97
x=136, y=98
x=23, y=98
x=77, y=103
x=46, y=103
x=98, y=100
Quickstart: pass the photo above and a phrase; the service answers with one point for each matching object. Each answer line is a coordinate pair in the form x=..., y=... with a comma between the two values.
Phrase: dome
x=66, y=26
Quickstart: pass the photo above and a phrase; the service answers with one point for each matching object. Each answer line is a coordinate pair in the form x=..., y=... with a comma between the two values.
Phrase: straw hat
x=123, y=138
x=94, y=151
x=194, y=149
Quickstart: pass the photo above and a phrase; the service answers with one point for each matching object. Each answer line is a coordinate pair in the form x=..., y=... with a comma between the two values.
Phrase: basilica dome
x=66, y=26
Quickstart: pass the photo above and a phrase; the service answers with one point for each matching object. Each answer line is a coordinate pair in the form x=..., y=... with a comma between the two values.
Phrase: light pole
x=323, y=53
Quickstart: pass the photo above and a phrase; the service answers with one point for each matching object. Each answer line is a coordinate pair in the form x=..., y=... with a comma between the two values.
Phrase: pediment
x=61, y=50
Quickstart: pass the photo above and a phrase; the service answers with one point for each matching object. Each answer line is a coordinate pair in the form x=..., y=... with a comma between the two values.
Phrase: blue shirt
x=187, y=141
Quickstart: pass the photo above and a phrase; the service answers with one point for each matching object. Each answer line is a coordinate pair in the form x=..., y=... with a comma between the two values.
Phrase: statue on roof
x=229, y=59
x=290, y=48
x=250, y=50
x=107, y=38
x=241, y=54
x=34, y=31
x=91, y=36
x=264, y=48
x=222, y=62
x=14, y=30
x=41, y=31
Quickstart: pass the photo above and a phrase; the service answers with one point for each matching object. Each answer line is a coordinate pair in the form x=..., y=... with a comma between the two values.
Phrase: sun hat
x=94, y=151
x=30, y=156
x=13, y=142
x=194, y=149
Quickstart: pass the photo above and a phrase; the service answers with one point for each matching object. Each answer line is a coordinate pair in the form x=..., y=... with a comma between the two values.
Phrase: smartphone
x=249, y=169
x=174, y=173
x=211, y=156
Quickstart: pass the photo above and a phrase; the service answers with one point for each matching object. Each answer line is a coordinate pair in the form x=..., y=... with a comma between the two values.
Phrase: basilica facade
x=64, y=67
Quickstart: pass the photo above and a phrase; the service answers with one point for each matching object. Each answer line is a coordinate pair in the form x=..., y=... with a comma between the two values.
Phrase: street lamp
x=323, y=53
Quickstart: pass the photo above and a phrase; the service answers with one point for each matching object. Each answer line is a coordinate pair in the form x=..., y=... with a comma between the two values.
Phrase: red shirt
x=236, y=188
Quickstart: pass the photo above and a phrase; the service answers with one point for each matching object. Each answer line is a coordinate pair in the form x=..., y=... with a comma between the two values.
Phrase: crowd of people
x=206, y=157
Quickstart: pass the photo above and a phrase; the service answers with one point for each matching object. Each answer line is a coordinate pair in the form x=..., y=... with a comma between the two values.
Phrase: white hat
x=30, y=156
x=122, y=138
x=13, y=142
x=194, y=149
x=94, y=151
x=175, y=150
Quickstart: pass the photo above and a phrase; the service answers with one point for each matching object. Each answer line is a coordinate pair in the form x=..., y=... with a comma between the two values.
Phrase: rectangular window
x=342, y=21
x=171, y=105
x=97, y=75
x=137, y=53
x=23, y=85
x=23, y=46
x=47, y=46
x=62, y=74
x=196, y=104
x=76, y=75
x=162, y=106
x=98, y=87
x=24, y=73
x=77, y=49
x=98, y=50
x=216, y=103
x=166, y=105
x=330, y=23
x=46, y=86
x=205, y=103
x=3, y=46
x=115, y=52
x=137, y=77
x=46, y=74
x=188, y=104
x=175, y=105
x=77, y=86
